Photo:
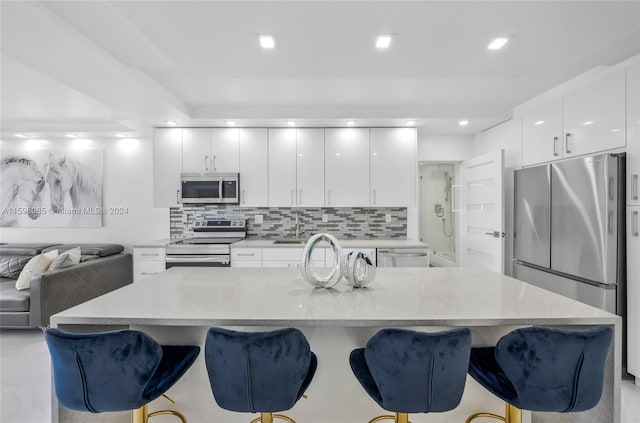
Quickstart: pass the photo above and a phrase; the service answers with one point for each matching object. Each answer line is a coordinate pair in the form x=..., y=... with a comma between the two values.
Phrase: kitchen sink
x=290, y=241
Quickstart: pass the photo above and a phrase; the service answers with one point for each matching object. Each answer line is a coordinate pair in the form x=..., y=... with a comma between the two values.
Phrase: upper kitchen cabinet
x=594, y=116
x=393, y=167
x=210, y=150
x=542, y=133
x=310, y=167
x=167, y=165
x=282, y=167
x=346, y=167
x=254, y=168
x=633, y=133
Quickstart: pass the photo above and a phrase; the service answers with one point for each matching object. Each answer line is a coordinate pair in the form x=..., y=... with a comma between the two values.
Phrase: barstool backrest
x=101, y=372
x=257, y=371
x=553, y=369
x=419, y=371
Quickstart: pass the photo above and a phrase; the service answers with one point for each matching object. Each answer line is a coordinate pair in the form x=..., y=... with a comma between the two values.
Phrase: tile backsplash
x=281, y=222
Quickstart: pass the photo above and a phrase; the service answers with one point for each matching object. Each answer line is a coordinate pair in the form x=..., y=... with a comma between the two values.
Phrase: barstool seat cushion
x=113, y=371
x=258, y=371
x=545, y=369
x=414, y=372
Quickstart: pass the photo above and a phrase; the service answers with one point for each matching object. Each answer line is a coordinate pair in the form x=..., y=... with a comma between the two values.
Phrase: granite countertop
x=346, y=243
x=454, y=296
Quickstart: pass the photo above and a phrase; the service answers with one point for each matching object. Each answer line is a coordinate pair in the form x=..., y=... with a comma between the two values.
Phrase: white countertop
x=158, y=243
x=275, y=297
x=346, y=243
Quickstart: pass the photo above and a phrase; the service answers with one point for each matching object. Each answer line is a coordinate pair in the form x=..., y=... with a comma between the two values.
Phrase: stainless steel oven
x=210, y=245
x=210, y=188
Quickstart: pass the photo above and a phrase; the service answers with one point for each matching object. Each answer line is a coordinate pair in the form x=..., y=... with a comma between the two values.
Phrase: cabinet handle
x=300, y=197
x=292, y=194
x=567, y=137
x=149, y=273
x=374, y=197
x=206, y=162
x=149, y=255
x=243, y=199
x=213, y=163
x=329, y=197
x=245, y=254
x=635, y=224
x=634, y=186
x=178, y=196
x=555, y=145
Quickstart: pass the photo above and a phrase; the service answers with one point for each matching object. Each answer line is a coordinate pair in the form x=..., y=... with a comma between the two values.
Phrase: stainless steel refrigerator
x=570, y=229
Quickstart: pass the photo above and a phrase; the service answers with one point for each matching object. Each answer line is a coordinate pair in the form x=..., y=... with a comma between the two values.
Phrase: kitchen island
x=177, y=306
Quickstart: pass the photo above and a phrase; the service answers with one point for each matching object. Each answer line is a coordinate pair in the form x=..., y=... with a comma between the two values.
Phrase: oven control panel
x=222, y=224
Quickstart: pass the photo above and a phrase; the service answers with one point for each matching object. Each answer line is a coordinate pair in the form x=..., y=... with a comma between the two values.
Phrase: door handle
x=634, y=186
x=555, y=144
x=206, y=161
x=610, y=222
x=635, y=224
x=495, y=234
x=220, y=190
x=567, y=137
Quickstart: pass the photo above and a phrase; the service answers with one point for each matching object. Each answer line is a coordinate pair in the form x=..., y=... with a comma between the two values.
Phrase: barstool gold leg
x=268, y=418
x=172, y=412
x=402, y=418
x=397, y=418
x=139, y=415
x=511, y=415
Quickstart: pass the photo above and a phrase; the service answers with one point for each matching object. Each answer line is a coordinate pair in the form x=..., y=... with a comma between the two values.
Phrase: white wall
x=127, y=182
x=506, y=136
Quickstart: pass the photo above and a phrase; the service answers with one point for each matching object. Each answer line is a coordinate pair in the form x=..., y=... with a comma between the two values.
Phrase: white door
x=393, y=167
x=310, y=165
x=196, y=150
x=167, y=165
x=225, y=150
x=254, y=168
x=282, y=167
x=481, y=212
x=346, y=171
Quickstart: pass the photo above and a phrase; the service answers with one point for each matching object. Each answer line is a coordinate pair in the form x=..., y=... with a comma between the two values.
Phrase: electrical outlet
x=325, y=218
x=387, y=217
x=258, y=218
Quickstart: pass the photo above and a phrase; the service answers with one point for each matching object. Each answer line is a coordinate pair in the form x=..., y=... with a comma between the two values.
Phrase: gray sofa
x=103, y=268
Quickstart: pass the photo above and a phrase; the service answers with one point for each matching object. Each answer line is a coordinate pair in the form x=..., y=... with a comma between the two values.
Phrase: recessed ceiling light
x=291, y=123
x=540, y=122
x=70, y=135
x=20, y=135
x=463, y=123
x=170, y=123
x=410, y=123
x=589, y=122
x=383, y=41
x=119, y=135
x=230, y=123
x=498, y=43
x=351, y=122
x=267, y=41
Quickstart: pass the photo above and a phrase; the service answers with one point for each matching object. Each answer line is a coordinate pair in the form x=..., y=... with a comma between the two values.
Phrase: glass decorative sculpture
x=337, y=267
x=360, y=270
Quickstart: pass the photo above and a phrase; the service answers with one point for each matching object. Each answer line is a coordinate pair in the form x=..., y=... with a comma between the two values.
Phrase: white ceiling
x=107, y=66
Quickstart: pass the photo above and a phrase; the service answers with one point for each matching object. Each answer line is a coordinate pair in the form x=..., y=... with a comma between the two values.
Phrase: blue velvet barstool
x=259, y=372
x=543, y=369
x=405, y=371
x=116, y=371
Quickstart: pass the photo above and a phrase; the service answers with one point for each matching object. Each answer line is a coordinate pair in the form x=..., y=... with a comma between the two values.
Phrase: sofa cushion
x=11, y=266
x=66, y=259
x=25, y=249
x=100, y=250
x=12, y=300
x=36, y=265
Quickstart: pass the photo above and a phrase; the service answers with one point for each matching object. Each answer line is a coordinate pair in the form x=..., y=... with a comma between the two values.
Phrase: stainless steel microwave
x=210, y=188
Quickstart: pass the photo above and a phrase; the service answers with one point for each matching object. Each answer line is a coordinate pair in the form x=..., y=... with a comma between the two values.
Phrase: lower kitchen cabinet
x=147, y=261
x=246, y=257
x=633, y=291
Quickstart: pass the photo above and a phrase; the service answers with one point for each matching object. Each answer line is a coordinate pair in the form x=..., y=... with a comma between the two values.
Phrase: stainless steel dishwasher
x=403, y=257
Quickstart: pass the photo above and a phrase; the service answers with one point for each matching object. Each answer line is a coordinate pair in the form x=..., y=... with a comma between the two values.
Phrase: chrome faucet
x=299, y=231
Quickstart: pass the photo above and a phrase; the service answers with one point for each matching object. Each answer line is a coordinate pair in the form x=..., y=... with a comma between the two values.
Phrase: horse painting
x=21, y=185
x=69, y=177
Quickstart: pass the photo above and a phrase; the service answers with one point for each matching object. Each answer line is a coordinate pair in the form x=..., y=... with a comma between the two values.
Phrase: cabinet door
x=167, y=165
x=226, y=152
x=633, y=134
x=310, y=167
x=196, y=150
x=254, y=168
x=346, y=167
x=282, y=167
x=542, y=133
x=393, y=167
x=594, y=116
x=633, y=291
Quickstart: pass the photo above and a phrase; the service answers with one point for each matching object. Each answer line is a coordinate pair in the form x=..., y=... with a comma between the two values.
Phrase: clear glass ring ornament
x=360, y=270
x=306, y=263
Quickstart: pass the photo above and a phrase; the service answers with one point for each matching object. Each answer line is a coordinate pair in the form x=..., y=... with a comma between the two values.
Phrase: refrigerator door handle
x=634, y=186
x=610, y=222
x=635, y=224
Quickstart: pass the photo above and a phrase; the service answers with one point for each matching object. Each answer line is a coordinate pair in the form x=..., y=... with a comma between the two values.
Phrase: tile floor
x=25, y=381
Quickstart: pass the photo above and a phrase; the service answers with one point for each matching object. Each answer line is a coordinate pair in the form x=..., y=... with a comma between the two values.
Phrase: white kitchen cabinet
x=167, y=165
x=633, y=134
x=346, y=167
x=289, y=257
x=310, y=167
x=147, y=261
x=246, y=257
x=633, y=291
x=210, y=150
x=542, y=139
x=594, y=116
x=254, y=168
x=282, y=167
x=393, y=167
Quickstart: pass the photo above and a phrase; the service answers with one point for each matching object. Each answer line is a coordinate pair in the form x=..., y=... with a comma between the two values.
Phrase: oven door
x=197, y=260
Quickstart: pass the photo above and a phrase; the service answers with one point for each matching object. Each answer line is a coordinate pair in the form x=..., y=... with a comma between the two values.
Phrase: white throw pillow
x=36, y=265
x=66, y=259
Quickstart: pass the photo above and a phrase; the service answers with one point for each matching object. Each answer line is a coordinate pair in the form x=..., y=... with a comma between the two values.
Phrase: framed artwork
x=51, y=188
